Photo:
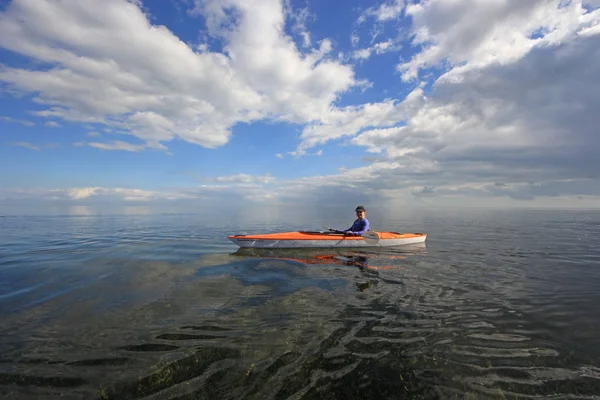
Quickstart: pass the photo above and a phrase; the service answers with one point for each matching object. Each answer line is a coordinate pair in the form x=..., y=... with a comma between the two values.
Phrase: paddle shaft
x=371, y=237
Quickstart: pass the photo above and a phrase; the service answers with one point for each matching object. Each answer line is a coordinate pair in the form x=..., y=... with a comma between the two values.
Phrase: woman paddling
x=360, y=226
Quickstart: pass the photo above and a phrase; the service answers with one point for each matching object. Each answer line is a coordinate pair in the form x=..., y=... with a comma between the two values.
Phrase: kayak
x=309, y=239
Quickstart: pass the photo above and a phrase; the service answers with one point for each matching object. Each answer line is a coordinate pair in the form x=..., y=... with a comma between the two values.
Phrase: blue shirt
x=359, y=227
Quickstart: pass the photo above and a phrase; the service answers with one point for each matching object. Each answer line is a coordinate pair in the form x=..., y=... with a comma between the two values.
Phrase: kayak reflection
x=369, y=263
x=360, y=258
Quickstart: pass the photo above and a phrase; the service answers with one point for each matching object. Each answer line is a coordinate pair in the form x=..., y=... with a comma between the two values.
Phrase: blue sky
x=439, y=102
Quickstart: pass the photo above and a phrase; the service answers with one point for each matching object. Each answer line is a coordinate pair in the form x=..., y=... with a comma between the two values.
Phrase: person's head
x=361, y=212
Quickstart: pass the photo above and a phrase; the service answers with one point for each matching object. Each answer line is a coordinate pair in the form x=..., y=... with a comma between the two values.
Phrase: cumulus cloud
x=478, y=33
x=524, y=117
x=156, y=87
x=348, y=121
x=529, y=121
x=503, y=104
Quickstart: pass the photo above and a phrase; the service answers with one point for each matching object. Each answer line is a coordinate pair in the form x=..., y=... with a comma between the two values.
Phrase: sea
x=139, y=303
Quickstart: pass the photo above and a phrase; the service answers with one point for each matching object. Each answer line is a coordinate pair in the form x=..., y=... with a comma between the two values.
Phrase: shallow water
x=498, y=304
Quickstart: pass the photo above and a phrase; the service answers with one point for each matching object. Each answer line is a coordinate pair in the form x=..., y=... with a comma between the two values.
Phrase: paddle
x=371, y=237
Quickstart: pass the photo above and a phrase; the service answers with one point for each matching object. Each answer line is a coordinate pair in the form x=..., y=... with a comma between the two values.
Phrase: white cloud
x=299, y=19
x=378, y=183
x=354, y=39
x=593, y=30
x=348, y=121
x=378, y=48
x=478, y=33
x=529, y=121
x=157, y=88
x=16, y=121
x=245, y=178
x=83, y=193
x=27, y=145
x=79, y=194
x=527, y=115
x=294, y=88
x=52, y=124
x=386, y=11
x=222, y=190
x=120, y=145
x=514, y=115
x=376, y=140
x=362, y=54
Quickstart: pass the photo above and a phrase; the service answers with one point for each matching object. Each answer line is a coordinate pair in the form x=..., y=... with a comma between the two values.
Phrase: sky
x=300, y=102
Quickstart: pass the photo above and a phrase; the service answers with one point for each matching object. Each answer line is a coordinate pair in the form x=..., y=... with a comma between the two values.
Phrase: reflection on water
x=138, y=308
x=367, y=261
x=355, y=257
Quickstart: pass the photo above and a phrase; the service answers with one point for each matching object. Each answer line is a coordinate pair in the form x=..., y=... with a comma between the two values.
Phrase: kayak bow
x=304, y=239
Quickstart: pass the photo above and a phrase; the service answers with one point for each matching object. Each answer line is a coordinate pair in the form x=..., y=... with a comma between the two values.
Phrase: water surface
x=498, y=304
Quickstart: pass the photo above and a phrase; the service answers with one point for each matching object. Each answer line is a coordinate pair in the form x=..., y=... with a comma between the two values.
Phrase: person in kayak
x=360, y=225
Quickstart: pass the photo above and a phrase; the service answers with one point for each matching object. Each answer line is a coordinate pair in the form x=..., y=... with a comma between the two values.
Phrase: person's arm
x=341, y=230
x=349, y=230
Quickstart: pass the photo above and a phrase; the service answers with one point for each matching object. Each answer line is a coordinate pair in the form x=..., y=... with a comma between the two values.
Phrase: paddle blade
x=371, y=237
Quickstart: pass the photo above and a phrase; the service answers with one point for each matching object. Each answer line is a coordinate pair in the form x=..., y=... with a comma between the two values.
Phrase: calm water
x=497, y=304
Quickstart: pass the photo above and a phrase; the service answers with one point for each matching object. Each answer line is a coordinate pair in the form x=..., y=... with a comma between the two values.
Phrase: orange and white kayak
x=304, y=239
